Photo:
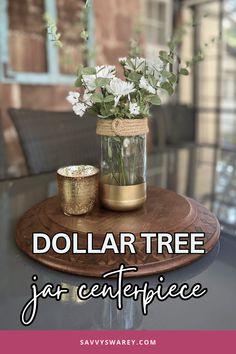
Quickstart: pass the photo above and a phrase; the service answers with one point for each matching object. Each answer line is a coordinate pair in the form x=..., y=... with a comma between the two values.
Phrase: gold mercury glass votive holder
x=77, y=188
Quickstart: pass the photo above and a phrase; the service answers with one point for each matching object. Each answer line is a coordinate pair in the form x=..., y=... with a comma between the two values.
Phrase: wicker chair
x=54, y=139
x=3, y=170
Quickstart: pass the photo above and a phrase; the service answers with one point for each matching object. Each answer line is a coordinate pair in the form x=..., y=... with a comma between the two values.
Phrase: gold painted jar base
x=123, y=198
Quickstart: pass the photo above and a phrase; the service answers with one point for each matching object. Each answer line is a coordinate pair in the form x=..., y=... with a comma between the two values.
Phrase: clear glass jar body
x=123, y=172
x=123, y=160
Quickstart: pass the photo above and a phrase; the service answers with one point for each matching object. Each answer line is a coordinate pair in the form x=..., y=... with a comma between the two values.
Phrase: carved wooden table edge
x=193, y=217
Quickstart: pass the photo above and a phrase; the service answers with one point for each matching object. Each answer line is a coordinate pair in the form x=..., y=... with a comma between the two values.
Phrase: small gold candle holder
x=77, y=188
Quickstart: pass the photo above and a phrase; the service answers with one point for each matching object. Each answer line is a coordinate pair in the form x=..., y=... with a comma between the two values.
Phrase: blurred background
x=192, y=140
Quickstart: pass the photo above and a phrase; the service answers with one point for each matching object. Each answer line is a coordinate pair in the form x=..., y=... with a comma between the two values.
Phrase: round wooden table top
x=164, y=211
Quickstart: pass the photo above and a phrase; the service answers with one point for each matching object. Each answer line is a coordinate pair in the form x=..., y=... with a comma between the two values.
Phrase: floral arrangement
x=119, y=100
x=145, y=83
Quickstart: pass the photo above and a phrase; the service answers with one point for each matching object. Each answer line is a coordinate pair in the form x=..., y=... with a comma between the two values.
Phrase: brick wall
x=27, y=36
x=114, y=24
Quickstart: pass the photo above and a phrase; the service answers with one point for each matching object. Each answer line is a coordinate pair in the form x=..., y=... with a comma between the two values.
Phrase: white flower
x=162, y=79
x=73, y=97
x=87, y=98
x=122, y=60
x=154, y=67
x=79, y=109
x=89, y=82
x=116, y=100
x=106, y=71
x=118, y=88
x=144, y=84
x=134, y=108
x=134, y=64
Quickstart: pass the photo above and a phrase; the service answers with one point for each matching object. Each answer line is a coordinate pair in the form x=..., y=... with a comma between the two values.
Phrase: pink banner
x=163, y=342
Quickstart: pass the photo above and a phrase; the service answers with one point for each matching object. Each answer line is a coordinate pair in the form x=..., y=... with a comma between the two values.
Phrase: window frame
x=53, y=75
x=151, y=48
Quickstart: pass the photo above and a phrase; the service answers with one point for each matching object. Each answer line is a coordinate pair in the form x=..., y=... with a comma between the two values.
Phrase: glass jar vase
x=123, y=171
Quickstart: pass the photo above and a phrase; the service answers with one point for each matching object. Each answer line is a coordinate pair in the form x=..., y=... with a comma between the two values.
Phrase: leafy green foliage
x=109, y=98
x=101, y=82
x=78, y=81
x=89, y=71
x=135, y=42
x=134, y=77
x=154, y=99
x=97, y=98
x=167, y=87
x=184, y=71
x=145, y=81
x=52, y=30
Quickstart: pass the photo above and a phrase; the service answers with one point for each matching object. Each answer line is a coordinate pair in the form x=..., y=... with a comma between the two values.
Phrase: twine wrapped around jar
x=122, y=127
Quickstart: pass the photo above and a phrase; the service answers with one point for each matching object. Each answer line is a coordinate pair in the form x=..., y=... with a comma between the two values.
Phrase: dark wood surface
x=164, y=211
